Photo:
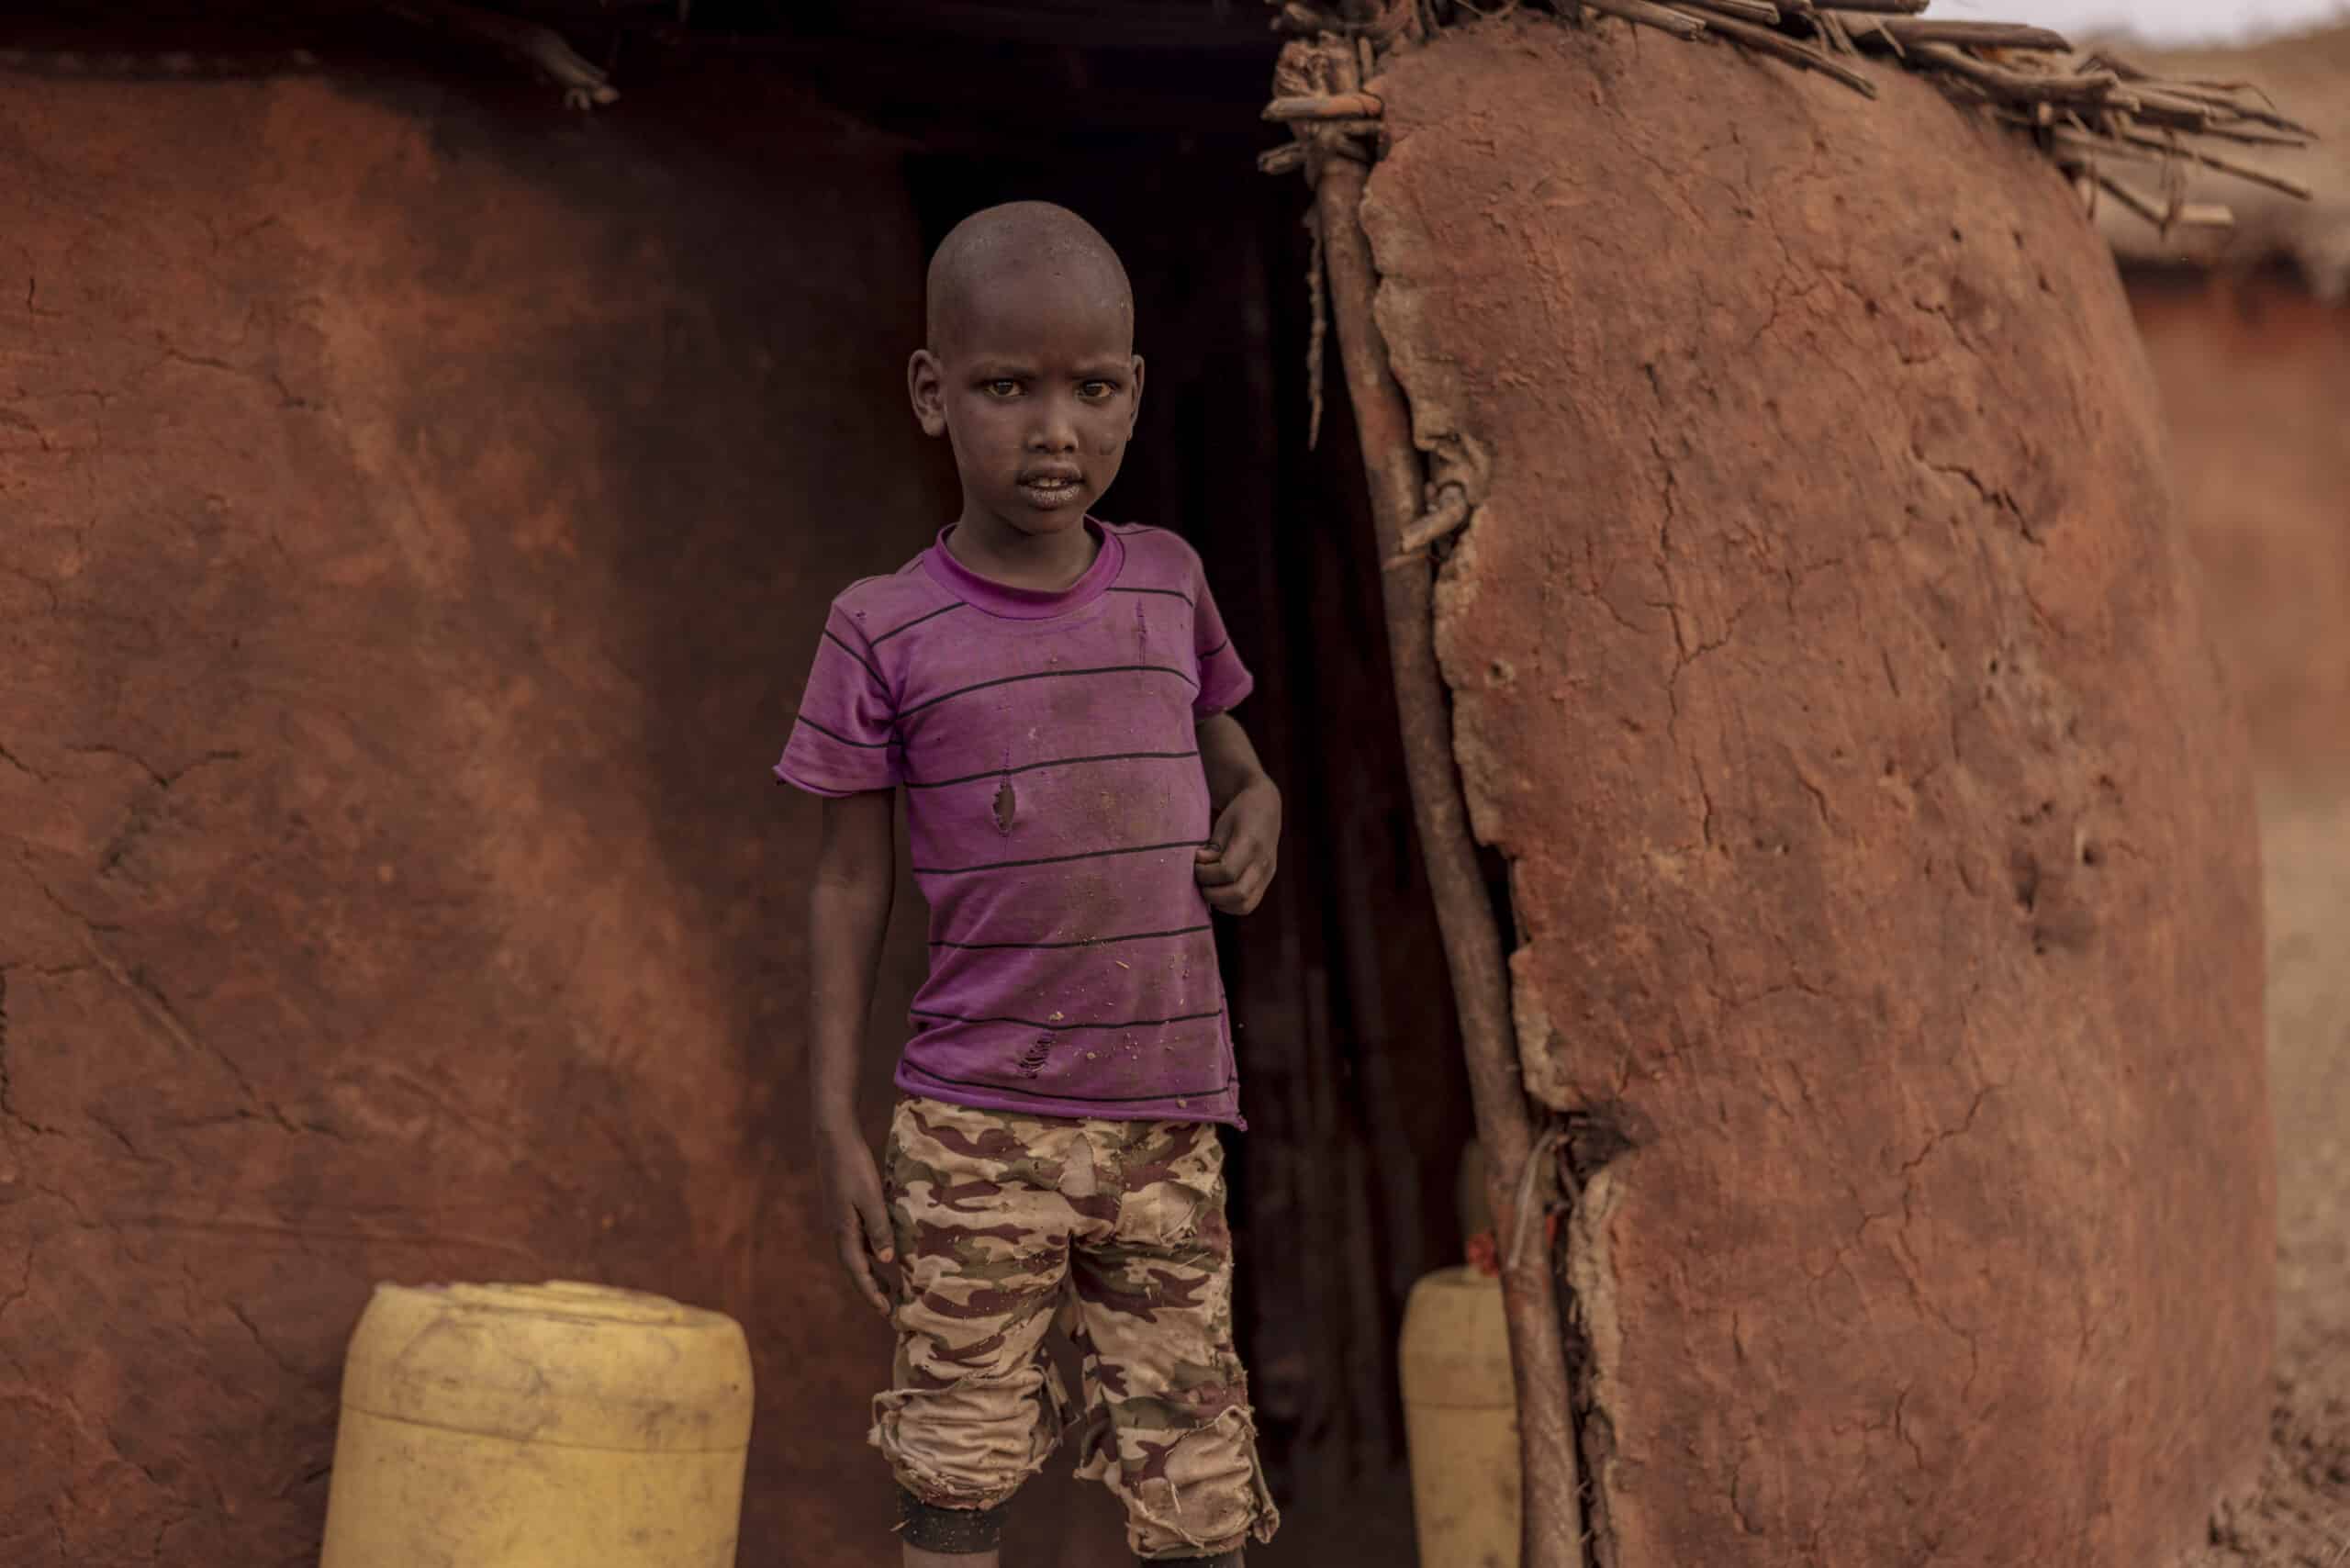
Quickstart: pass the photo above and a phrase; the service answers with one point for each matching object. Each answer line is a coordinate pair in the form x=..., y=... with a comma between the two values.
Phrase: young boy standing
x=1053, y=694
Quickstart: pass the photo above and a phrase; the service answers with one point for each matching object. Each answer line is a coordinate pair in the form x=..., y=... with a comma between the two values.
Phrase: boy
x=1052, y=695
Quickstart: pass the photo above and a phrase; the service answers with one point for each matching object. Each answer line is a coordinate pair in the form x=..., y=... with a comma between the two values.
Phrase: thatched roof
x=2311, y=76
x=2129, y=137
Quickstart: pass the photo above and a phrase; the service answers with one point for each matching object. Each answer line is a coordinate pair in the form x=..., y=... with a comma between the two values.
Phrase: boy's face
x=1036, y=386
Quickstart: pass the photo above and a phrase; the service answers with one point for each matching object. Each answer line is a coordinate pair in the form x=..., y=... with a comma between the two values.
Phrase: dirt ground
x=2301, y=1516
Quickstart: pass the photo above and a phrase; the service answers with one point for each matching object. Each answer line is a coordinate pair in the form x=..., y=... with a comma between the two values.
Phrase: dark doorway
x=1358, y=1106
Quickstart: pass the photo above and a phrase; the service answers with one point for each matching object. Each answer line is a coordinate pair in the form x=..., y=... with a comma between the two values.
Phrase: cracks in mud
x=153, y=1005
x=11, y=760
x=287, y=397
x=1993, y=497
x=156, y=776
x=1944, y=1135
x=8, y=1108
x=1903, y=1252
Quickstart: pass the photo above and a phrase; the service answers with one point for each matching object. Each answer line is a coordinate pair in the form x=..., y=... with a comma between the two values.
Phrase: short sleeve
x=1224, y=679
x=844, y=739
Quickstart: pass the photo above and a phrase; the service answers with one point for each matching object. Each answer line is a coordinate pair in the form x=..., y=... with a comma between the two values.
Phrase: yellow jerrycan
x=546, y=1425
x=1461, y=1403
x=1460, y=1421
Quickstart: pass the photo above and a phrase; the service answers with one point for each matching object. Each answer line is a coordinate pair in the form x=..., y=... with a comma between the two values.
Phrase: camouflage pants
x=1006, y=1224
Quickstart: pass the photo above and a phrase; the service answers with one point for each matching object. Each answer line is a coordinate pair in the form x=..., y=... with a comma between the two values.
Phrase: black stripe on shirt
x=1072, y=1028
x=1170, y=593
x=1089, y=942
x=916, y=621
x=1042, y=675
x=1085, y=1099
x=1056, y=859
x=1056, y=762
x=1213, y=651
x=864, y=746
x=869, y=667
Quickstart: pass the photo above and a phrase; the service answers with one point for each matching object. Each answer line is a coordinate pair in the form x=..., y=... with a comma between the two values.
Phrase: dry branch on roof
x=2307, y=239
x=2081, y=111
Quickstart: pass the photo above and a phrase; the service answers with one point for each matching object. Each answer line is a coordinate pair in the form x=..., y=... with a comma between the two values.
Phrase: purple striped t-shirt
x=1045, y=743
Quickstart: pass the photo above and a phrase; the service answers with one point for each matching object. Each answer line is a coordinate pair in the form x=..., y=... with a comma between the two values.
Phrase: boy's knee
x=1193, y=1494
x=968, y=1447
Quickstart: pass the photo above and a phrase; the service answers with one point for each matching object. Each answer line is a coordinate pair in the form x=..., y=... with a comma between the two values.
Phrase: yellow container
x=1460, y=1420
x=549, y=1426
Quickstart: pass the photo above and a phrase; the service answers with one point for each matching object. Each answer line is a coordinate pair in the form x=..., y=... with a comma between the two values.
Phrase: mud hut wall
x=1881, y=842
x=2255, y=377
x=417, y=513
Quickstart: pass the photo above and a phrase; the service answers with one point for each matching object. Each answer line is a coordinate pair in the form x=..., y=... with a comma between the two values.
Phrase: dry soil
x=2300, y=1517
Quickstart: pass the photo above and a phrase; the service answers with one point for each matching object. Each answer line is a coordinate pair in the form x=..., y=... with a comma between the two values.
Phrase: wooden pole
x=1472, y=949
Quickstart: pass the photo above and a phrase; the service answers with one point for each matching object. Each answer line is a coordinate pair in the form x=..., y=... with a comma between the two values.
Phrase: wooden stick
x=1878, y=7
x=1286, y=159
x=1760, y=12
x=2182, y=215
x=2158, y=108
x=1552, y=1514
x=1317, y=338
x=2220, y=94
x=2293, y=188
x=2088, y=144
x=1973, y=35
x=2020, y=86
x=2142, y=206
x=1338, y=106
x=2254, y=138
x=1794, y=53
x=1441, y=520
x=2206, y=215
x=1680, y=24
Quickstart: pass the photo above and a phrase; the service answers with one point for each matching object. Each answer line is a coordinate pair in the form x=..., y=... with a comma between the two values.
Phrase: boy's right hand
x=860, y=1219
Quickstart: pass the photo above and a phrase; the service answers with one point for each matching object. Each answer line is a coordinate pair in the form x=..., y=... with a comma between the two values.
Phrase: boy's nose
x=1055, y=429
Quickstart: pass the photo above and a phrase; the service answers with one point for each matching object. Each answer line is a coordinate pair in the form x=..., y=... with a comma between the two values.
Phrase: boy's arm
x=848, y=910
x=1237, y=865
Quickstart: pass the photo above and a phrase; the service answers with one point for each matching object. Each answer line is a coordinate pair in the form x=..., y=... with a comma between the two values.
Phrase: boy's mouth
x=1049, y=487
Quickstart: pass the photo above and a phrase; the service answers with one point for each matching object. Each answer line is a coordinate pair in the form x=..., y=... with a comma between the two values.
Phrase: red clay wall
x=1827, y=664
x=416, y=514
x=2254, y=379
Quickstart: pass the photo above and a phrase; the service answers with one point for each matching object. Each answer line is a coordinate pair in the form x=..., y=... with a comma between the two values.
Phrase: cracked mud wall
x=417, y=509
x=1827, y=665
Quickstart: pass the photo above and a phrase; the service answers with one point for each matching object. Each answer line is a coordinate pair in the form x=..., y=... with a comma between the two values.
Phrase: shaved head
x=1017, y=249
x=1031, y=374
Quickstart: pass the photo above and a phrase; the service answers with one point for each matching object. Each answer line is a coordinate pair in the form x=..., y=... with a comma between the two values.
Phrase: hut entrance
x=1145, y=120
x=1354, y=1088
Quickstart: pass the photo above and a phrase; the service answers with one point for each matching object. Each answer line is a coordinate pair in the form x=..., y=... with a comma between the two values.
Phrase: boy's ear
x=1134, y=404
x=926, y=385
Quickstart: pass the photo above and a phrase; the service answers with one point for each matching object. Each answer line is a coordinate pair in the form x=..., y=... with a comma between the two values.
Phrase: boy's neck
x=1044, y=563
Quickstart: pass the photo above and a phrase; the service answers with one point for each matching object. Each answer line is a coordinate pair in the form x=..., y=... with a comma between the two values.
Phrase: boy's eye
x=1002, y=386
x=1097, y=390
